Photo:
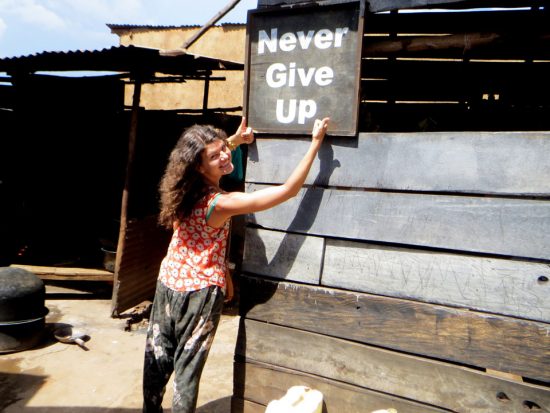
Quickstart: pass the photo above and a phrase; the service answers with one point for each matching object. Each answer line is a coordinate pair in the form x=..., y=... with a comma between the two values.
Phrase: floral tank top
x=196, y=255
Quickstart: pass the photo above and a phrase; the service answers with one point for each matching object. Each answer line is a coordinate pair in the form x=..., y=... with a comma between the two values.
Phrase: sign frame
x=289, y=60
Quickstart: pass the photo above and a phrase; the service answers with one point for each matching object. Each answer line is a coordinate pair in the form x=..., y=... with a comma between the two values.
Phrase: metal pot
x=22, y=310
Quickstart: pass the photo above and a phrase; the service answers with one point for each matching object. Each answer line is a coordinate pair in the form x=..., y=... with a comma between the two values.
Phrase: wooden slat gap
x=251, y=224
x=473, y=194
x=275, y=280
x=67, y=273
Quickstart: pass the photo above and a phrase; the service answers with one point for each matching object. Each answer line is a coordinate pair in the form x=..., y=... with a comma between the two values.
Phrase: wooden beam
x=67, y=273
x=487, y=341
x=476, y=45
x=228, y=7
x=410, y=45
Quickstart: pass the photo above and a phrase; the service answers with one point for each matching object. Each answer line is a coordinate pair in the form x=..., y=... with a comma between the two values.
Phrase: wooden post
x=209, y=24
x=126, y=191
x=206, y=92
x=183, y=49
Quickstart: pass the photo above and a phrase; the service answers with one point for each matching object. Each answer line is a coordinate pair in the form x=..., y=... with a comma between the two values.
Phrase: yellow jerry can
x=298, y=399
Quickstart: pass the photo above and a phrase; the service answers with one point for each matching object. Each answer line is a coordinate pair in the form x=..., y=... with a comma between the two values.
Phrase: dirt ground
x=64, y=378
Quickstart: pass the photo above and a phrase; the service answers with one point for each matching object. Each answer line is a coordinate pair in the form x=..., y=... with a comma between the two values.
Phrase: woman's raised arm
x=237, y=203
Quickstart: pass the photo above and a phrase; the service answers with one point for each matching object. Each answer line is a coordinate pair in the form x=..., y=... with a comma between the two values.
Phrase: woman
x=192, y=278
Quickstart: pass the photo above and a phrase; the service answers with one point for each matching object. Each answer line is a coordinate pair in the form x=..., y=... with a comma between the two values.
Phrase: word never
x=323, y=39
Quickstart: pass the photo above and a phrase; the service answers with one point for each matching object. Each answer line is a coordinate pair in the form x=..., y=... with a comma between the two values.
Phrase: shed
x=225, y=42
x=412, y=270
x=79, y=169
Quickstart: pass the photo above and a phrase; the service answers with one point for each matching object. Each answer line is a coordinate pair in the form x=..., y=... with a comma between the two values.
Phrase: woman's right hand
x=319, y=129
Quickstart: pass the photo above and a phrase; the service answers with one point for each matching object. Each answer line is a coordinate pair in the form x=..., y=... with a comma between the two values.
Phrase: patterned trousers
x=181, y=330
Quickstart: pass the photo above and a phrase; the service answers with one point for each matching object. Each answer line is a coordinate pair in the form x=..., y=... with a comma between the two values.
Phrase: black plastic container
x=22, y=309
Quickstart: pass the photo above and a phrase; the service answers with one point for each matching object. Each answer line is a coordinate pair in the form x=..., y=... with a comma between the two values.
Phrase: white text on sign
x=280, y=75
x=323, y=39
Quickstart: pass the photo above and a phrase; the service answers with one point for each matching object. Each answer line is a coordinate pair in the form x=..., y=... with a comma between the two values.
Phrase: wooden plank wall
x=413, y=285
x=412, y=270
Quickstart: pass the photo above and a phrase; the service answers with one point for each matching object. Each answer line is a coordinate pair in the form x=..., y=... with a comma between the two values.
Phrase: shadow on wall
x=305, y=216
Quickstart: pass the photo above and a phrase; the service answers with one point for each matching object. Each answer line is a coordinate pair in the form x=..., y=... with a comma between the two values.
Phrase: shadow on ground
x=222, y=405
x=12, y=385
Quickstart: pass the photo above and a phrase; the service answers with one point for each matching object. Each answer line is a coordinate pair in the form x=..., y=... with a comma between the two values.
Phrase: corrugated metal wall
x=143, y=250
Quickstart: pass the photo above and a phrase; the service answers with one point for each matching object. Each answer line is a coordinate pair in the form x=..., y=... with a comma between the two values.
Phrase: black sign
x=303, y=64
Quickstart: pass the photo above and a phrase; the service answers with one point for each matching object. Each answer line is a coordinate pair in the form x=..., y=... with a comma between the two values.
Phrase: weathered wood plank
x=282, y=255
x=514, y=288
x=486, y=341
x=503, y=226
x=454, y=387
x=460, y=45
x=465, y=162
x=263, y=383
x=67, y=273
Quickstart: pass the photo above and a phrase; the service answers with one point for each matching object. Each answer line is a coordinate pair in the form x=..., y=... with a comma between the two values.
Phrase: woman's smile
x=227, y=168
x=216, y=161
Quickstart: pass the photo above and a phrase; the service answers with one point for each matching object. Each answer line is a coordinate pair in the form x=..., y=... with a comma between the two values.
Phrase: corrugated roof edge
x=115, y=58
x=145, y=26
x=76, y=52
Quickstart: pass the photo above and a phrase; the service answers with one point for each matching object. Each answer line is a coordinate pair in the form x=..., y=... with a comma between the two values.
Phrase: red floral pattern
x=196, y=254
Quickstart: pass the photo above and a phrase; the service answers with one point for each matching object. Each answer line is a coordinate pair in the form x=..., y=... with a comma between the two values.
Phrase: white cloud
x=31, y=26
x=3, y=27
x=103, y=11
x=129, y=9
x=32, y=12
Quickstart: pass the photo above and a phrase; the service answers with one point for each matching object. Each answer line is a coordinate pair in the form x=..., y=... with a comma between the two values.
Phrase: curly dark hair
x=182, y=185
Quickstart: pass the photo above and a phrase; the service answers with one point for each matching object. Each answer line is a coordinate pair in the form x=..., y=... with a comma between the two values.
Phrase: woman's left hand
x=244, y=134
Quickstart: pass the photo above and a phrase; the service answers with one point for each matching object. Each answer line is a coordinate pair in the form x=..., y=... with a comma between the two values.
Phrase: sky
x=34, y=26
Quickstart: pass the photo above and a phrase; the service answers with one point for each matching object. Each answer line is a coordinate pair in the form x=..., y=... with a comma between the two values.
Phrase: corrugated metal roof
x=132, y=59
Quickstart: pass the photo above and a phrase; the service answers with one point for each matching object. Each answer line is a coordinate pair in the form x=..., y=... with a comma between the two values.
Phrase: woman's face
x=216, y=161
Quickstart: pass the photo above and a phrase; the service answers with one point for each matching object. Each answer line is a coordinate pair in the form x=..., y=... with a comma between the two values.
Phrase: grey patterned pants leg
x=181, y=330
